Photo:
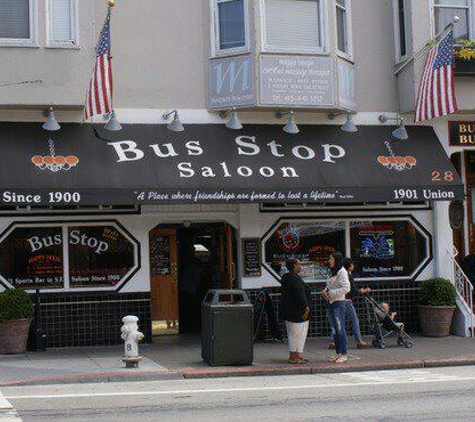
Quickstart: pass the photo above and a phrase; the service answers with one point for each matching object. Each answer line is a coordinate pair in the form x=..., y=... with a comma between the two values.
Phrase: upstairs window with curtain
x=15, y=21
x=230, y=25
x=62, y=22
x=400, y=31
x=293, y=25
x=446, y=10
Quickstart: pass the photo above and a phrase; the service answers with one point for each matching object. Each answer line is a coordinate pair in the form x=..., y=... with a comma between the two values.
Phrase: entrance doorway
x=185, y=262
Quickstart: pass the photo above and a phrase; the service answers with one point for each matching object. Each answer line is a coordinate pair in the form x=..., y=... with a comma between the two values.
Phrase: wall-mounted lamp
x=290, y=127
x=349, y=126
x=113, y=124
x=400, y=132
x=51, y=124
x=175, y=125
x=233, y=122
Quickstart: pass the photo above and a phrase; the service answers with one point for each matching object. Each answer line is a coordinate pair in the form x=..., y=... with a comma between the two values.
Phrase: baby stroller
x=384, y=326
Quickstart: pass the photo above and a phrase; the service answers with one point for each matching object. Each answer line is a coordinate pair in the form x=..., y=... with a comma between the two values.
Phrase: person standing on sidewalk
x=350, y=308
x=295, y=310
x=338, y=285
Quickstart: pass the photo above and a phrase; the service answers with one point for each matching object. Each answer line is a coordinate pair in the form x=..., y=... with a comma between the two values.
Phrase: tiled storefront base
x=402, y=297
x=74, y=320
x=93, y=319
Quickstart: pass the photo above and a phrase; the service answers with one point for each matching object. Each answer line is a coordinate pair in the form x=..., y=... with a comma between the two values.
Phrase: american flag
x=99, y=93
x=436, y=96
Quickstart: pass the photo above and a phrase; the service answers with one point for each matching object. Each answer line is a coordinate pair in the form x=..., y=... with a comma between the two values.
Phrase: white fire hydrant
x=131, y=335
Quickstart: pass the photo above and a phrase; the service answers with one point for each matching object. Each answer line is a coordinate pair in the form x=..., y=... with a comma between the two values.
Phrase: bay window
x=230, y=25
x=343, y=25
x=400, y=29
x=446, y=10
x=62, y=25
x=293, y=25
x=17, y=22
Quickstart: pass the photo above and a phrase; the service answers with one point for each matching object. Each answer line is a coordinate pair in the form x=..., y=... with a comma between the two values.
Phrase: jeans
x=355, y=323
x=336, y=311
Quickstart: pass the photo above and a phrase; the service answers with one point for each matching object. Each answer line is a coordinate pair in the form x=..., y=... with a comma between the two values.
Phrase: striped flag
x=99, y=93
x=436, y=95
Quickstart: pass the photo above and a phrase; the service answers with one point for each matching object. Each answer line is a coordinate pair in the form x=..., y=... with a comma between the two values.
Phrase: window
x=62, y=23
x=293, y=25
x=98, y=256
x=446, y=10
x=230, y=25
x=386, y=248
x=381, y=248
x=17, y=22
x=310, y=242
x=71, y=255
x=32, y=257
x=400, y=29
x=343, y=23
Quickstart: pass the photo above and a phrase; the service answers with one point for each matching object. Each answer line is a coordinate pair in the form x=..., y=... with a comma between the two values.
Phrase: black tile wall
x=74, y=320
x=402, y=297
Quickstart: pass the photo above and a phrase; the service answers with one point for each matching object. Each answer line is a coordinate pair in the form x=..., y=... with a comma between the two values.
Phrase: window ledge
x=345, y=56
x=20, y=44
x=55, y=46
x=300, y=52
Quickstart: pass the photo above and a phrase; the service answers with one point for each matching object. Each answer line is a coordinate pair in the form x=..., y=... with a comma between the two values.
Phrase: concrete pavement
x=180, y=357
x=421, y=394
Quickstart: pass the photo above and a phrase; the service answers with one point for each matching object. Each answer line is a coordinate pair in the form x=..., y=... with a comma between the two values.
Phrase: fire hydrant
x=131, y=335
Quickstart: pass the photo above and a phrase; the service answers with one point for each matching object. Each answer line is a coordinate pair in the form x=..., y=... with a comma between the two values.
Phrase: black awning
x=147, y=164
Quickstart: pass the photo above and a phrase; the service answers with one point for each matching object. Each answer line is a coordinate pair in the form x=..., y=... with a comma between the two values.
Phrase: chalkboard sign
x=160, y=255
x=251, y=248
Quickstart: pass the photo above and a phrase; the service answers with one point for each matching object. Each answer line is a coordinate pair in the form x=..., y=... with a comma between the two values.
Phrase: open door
x=228, y=258
x=164, y=281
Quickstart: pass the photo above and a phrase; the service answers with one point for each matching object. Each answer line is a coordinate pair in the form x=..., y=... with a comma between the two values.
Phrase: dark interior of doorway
x=202, y=265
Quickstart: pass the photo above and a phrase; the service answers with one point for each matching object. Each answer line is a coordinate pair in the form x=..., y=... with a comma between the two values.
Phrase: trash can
x=227, y=328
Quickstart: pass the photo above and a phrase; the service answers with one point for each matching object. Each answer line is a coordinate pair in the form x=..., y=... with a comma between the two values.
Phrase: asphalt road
x=438, y=394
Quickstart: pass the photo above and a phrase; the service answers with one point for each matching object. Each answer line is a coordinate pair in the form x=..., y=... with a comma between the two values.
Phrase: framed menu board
x=252, y=261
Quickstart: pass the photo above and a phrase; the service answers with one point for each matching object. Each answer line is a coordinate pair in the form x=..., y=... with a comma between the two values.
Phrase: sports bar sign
x=462, y=134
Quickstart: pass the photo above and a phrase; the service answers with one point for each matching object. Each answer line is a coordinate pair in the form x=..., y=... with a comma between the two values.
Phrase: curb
x=247, y=371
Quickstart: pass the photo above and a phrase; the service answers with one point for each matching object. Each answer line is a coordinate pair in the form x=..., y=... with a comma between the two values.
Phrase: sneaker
x=342, y=359
x=332, y=346
x=362, y=345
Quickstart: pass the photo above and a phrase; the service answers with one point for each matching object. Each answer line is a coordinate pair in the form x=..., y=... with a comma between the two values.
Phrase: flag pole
x=428, y=44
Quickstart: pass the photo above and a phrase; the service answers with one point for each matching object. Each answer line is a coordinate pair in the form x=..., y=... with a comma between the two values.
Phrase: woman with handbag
x=295, y=310
x=338, y=285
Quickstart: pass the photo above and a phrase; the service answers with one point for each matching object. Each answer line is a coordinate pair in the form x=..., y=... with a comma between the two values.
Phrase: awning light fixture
x=175, y=125
x=349, y=126
x=400, y=132
x=113, y=124
x=233, y=122
x=290, y=127
x=51, y=124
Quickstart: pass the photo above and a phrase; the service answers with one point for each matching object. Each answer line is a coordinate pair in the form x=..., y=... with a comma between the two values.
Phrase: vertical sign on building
x=231, y=82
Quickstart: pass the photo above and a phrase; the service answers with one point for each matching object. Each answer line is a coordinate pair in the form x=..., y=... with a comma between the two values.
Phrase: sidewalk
x=180, y=357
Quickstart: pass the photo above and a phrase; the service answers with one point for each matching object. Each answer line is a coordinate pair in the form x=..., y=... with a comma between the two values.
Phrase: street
x=430, y=394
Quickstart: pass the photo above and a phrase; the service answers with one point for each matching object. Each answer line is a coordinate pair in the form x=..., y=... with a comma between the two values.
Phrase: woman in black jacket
x=295, y=310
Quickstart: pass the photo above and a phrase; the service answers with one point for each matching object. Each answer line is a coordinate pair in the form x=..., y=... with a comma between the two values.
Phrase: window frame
x=217, y=51
x=32, y=41
x=347, y=219
x=397, y=35
x=65, y=244
x=471, y=16
x=324, y=36
x=74, y=20
x=348, y=30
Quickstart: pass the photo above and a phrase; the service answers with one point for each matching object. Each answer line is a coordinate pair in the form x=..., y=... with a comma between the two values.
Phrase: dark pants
x=336, y=313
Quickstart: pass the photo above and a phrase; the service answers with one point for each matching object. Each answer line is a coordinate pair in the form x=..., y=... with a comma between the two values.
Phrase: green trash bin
x=227, y=328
